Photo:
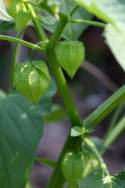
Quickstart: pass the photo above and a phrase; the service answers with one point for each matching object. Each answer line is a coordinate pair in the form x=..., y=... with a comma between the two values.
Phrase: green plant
x=21, y=121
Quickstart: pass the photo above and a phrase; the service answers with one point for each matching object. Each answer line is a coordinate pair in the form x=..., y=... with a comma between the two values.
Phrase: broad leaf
x=3, y=13
x=116, y=41
x=111, y=11
x=20, y=132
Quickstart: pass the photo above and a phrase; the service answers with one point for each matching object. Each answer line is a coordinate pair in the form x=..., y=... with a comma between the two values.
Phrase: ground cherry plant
x=58, y=25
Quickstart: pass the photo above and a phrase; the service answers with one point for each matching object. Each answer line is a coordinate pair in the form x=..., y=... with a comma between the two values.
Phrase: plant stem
x=105, y=108
x=95, y=151
x=21, y=42
x=97, y=154
x=59, y=30
x=14, y=57
x=88, y=22
x=57, y=179
x=40, y=31
x=64, y=90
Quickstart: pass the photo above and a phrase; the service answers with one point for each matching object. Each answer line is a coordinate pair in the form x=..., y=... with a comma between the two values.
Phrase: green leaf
x=99, y=180
x=111, y=11
x=121, y=175
x=21, y=20
x=116, y=41
x=77, y=131
x=78, y=165
x=3, y=13
x=73, y=166
x=32, y=80
x=70, y=55
x=72, y=30
x=20, y=14
x=21, y=130
x=6, y=26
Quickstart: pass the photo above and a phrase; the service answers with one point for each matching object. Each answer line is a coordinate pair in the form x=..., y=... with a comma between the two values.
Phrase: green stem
x=95, y=151
x=60, y=28
x=57, y=35
x=57, y=179
x=105, y=108
x=40, y=31
x=88, y=22
x=64, y=90
x=118, y=129
x=14, y=57
x=21, y=42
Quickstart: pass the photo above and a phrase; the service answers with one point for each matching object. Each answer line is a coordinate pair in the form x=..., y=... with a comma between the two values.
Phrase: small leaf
x=73, y=166
x=18, y=11
x=77, y=131
x=116, y=41
x=78, y=164
x=32, y=80
x=70, y=55
x=21, y=128
x=22, y=18
x=3, y=13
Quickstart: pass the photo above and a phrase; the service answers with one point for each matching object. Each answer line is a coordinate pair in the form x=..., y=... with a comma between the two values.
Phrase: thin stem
x=14, y=57
x=21, y=42
x=64, y=90
x=57, y=179
x=60, y=28
x=56, y=36
x=118, y=129
x=40, y=31
x=105, y=108
x=93, y=148
x=88, y=22
x=95, y=151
